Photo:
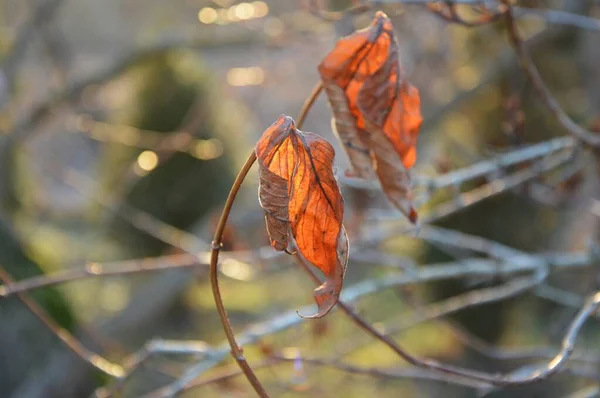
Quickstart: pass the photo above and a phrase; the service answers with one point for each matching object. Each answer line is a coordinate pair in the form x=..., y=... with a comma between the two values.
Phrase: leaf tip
x=326, y=296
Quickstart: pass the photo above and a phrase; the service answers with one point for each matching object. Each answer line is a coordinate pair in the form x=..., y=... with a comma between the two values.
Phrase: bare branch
x=26, y=124
x=92, y=270
x=551, y=103
x=43, y=12
x=70, y=341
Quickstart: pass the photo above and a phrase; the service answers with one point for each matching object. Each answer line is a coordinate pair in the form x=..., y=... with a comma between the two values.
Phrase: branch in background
x=97, y=361
x=465, y=301
x=463, y=201
x=93, y=270
x=179, y=261
x=26, y=124
x=491, y=167
x=559, y=296
x=44, y=11
x=498, y=164
x=551, y=103
x=449, y=12
x=505, y=354
x=275, y=359
x=587, y=392
x=474, y=243
x=153, y=347
x=142, y=220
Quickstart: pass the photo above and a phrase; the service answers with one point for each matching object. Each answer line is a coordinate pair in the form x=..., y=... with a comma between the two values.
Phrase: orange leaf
x=374, y=108
x=300, y=196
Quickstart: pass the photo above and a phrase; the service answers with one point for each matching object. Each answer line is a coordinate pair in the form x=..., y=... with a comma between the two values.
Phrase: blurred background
x=117, y=114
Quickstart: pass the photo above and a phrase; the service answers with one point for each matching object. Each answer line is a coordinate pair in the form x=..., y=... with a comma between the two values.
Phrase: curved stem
x=308, y=104
x=236, y=351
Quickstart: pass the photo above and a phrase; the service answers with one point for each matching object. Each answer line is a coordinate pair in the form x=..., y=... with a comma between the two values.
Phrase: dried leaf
x=300, y=196
x=374, y=108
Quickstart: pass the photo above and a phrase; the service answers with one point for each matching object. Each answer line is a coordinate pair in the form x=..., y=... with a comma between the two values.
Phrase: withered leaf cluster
x=377, y=118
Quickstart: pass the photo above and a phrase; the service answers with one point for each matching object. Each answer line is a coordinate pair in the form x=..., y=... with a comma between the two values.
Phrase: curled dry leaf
x=377, y=112
x=301, y=199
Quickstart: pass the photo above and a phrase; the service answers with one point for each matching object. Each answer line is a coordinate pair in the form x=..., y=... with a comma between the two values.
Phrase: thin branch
x=497, y=164
x=93, y=270
x=273, y=360
x=229, y=373
x=465, y=301
x=236, y=350
x=25, y=126
x=490, y=167
x=559, y=17
x=474, y=196
x=140, y=219
x=177, y=261
x=71, y=342
x=560, y=296
x=499, y=353
x=403, y=373
x=43, y=12
x=551, y=103
x=308, y=104
x=568, y=342
x=449, y=12
x=587, y=392
x=474, y=243
x=153, y=347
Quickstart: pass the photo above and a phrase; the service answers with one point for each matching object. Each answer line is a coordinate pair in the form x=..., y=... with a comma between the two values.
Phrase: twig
x=73, y=90
x=416, y=374
x=499, y=353
x=236, y=350
x=95, y=360
x=467, y=300
x=474, y=243
x=43, y=12
x=308, y=104
x=176, y=261
x=560, y=296
x=568, y=342
x=140, y=219
x=497, y=164
x=552, y=104
x=92, y=270
x=559, y=17
x=152, y=347
x=448, y=11
x=229, y=373
x=484, y=168
x=476, y=195
x=273, y=360
x=587, y=392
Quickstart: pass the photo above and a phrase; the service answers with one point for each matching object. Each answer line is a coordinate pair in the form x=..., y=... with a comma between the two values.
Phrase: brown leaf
x=300, y=196
x=370, y=97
